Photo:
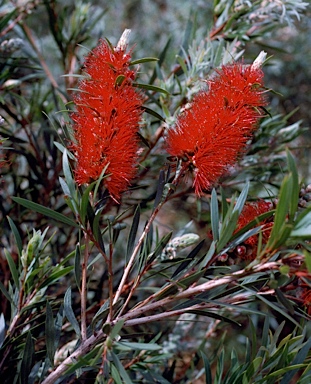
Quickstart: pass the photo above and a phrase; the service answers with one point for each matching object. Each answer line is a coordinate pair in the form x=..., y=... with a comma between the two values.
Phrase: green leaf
x=241, y=199
x=56, y=275
x=133, y=232
x=275, y=307
x=252, y=369
x=150, y=87
x=69, y=312
x=160, y=187
x=209, y=255
x=121, y=369
x=64, y=186
x=207, y=368
x=219, y=368
x=116, y=329
x=6, y=293
x=101, y=313
x=130, y=346
x=153, y=113
x=215, y=215
x=115, y=375
x=294, y=197
x=28, y=358
x=156, y=72
x=281, y=212
x=284, y=301
x=77, y=266
x=298, y=360
x=7, y=17
x=143, y=60
x=16, y=234
x=182, y=63
x=13, y=268
x=302, y=226
x=227, y=229
x=2, y=329
x=96, y=228
x=68, y=175
x=85, y=202
x=50, y=333
x=45, y=211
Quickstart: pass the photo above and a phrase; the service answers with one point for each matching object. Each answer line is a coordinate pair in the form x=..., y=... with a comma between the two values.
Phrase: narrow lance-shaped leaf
x=13, y=268
x=49, y=333
x=68, y=175
x=300, y=358
x=55, y=276
x=160, y=62
x=150, y=87
x=220, y=368
x=121, y=369
x=281, y=213
x=294, y=197
x=69, y=312
x=160, y=187
x=77, y=266
x=45, y=211
x=207, y=368
x=2, y=329
x=28, y=358
x=133, y=232
x=215, y=215
x=16, y=234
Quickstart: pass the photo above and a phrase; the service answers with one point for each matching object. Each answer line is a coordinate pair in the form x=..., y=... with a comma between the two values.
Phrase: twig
x=110, y=279
x=134, y=254
x=84, y=287
x=193, y=291
x=84, y=348
x=134, y=317
x=178, y=175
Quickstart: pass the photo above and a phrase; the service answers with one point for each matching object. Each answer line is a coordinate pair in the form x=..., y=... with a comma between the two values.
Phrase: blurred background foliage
x=42, y=44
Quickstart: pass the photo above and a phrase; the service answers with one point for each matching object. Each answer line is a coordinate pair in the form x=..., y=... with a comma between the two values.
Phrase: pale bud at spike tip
x=259, y=60
x=122, y=43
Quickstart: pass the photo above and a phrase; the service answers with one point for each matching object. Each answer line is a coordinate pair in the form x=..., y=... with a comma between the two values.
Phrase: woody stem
x=130, y=264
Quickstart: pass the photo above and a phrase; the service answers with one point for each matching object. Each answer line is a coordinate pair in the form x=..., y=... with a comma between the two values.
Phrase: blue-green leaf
x=12, y=267
x=28, y=358
x=133, y=232
x=69, y=312
x=45, y=211
x=16, y=234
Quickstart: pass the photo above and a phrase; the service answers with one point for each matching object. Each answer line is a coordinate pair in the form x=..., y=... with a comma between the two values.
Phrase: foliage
x=162, y=286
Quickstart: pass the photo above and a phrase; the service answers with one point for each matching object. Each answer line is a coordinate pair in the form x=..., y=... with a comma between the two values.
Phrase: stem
x=92, y=341
x=84, y=287
x=84, y=348
x=191, y=292
x=134, y=254
x=178, y=175
x=110, y=278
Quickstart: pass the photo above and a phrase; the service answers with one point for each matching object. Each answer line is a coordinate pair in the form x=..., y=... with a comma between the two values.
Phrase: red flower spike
x=211, y=134
x=106, y=121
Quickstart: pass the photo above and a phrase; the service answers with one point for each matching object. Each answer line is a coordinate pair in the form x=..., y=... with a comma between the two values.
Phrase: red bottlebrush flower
x=211, y=134
x=106, y=121
x=248, y=214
